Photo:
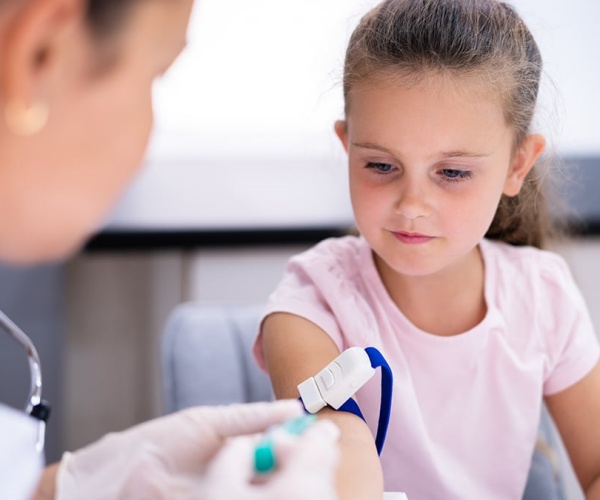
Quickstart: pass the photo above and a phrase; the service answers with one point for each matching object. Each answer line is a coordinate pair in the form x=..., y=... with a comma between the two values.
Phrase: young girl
x=447, y=280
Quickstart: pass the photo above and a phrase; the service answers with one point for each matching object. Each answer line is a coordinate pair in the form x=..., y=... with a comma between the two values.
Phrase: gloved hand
x=305, y=468
x=172, y=457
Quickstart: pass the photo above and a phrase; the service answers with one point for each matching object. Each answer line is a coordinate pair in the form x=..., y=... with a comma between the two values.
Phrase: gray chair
x=207, y=360
x=546, y=479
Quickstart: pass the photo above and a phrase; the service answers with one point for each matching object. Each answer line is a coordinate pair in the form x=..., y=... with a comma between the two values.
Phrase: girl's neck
x=449, y=302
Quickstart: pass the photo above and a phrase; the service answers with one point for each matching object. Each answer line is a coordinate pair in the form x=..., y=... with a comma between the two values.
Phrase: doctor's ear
x=522, y=162
x=341, y=130
x=36, y=35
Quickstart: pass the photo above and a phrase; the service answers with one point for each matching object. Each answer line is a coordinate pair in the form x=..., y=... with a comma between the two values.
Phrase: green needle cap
x=264, y=457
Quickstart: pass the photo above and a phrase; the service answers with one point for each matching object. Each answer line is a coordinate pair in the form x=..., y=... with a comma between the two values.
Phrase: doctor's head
x=75, y=98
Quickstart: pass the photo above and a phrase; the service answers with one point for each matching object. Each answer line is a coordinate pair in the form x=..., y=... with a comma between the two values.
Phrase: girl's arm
x=46, y=489
x=576, y=411
x=296, y=349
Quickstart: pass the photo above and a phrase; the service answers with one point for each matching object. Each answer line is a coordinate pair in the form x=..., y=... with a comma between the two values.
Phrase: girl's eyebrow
x=445, y=154
x=464, y=154
x=369, y=145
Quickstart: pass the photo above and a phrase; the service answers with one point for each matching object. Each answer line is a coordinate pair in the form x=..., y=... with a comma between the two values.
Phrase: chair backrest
x=207, y=359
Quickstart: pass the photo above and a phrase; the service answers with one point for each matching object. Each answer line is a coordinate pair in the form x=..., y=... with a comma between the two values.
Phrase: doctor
x=75, y=101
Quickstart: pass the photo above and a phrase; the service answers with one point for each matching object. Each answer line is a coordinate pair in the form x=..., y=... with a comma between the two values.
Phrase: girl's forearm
x=359, y=473
x=46, y=489
x=593, y=491
x=359, y=477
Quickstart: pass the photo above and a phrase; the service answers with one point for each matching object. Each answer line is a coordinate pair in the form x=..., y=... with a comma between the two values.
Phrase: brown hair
x=484, y=40
x=106, y=17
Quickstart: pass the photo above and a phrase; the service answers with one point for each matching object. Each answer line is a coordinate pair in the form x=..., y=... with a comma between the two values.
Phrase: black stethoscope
x=36, y=406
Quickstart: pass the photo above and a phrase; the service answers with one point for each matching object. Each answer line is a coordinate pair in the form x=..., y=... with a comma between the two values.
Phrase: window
x=244, y=119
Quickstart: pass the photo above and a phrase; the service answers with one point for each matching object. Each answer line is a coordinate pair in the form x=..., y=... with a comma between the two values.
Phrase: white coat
x=20, y=463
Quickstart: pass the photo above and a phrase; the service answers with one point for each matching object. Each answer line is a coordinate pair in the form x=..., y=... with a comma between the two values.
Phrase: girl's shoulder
x=525, y=267
x=521, y=257
x=345, y=254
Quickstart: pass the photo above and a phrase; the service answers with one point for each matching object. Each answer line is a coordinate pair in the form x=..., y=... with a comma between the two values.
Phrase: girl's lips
x=412, y=238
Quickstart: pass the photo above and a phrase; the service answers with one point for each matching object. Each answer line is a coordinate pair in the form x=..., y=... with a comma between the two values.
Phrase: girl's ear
x=35, y=36
x=341, y=130
x=522, y=163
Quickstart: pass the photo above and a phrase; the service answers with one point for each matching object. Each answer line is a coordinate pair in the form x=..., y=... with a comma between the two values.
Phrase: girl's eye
x=381, y=168
x=454, y=175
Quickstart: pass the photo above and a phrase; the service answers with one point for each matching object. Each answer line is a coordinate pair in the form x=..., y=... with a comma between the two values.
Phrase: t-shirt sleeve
x=572, y=344
x=300, y=292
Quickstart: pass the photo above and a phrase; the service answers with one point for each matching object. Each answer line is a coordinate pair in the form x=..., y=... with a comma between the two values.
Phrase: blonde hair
x=482, y=40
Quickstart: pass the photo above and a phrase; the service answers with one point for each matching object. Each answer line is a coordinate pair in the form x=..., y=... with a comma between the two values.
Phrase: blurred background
x=244, y=171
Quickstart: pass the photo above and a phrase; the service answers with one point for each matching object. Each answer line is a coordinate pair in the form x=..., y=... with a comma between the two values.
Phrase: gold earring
x=26, y=120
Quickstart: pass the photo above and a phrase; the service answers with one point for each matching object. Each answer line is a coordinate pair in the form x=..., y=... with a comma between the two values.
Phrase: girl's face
x=428, y=165
x=56, y=186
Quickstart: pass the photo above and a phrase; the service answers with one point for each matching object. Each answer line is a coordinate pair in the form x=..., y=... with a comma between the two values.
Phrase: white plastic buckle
x=338, y=381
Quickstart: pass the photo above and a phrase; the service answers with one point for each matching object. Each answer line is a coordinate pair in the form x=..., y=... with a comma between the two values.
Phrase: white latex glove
x=305, y=470
x=172, y=457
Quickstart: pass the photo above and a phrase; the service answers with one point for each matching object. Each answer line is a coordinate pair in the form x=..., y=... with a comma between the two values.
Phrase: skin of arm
x=296, y=349
x=46, y=489
x=576, y=412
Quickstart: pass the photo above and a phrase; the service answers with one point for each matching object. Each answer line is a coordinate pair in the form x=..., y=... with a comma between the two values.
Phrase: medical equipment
x=335, y=385
x=36, y=406
x=265, y=460
x=338, y=381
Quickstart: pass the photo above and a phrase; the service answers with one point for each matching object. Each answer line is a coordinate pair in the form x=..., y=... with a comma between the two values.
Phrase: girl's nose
x=412, y=201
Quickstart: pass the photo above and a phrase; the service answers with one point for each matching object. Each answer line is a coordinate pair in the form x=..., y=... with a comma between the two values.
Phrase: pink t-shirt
x=465, y=408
